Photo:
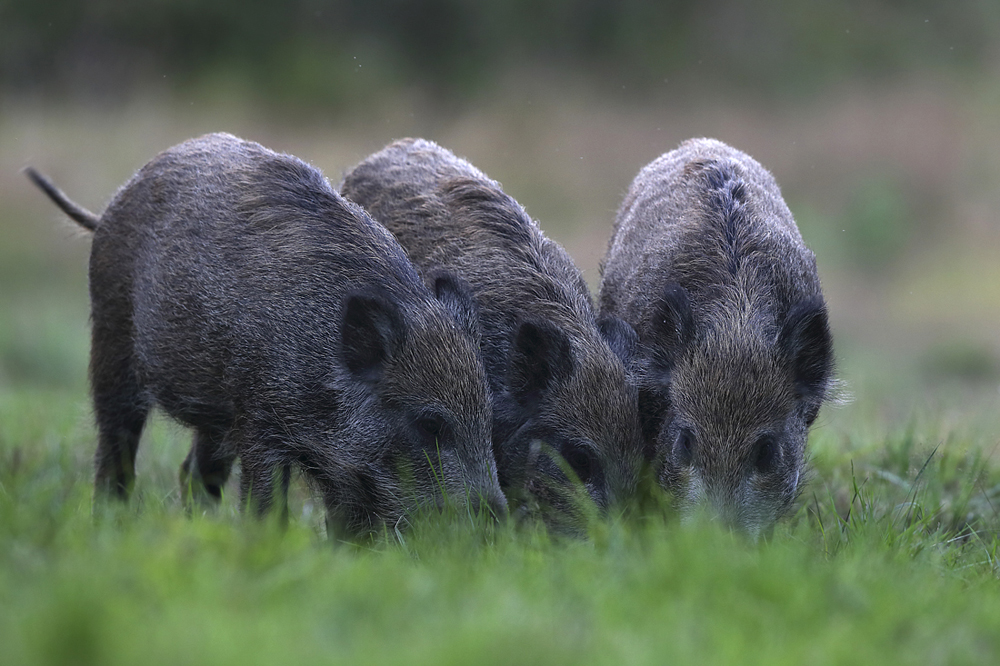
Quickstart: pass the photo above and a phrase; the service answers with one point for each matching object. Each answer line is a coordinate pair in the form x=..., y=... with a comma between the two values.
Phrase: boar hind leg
x=207, y=465
x=120, y=408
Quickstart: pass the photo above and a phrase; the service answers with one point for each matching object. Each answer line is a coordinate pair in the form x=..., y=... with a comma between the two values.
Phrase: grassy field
x=890, y=558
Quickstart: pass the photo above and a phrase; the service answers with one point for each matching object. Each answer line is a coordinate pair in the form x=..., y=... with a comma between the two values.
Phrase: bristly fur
x=234, y=288
x=558, y=376
x=735, y=353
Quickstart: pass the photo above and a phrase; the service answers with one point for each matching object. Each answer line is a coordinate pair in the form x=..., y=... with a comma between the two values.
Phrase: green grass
x=892, y=558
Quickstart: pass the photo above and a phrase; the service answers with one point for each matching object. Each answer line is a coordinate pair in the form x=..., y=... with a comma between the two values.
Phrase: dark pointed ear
x=540, y=356
x=456, y=296
x=372, y=331
x=621, y=337
x=670, y=330
x=805, y=339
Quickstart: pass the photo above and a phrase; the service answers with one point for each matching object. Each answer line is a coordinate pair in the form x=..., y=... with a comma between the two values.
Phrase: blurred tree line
x=326, y=51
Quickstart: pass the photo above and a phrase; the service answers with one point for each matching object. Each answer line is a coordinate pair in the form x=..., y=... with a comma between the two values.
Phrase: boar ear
x=805, y=339
x=670, y=330
x=540, y=356
x=620, y=337
x=456, y=296
x=372, y=330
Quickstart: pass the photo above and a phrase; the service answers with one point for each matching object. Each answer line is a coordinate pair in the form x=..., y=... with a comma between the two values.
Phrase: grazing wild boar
x=233, y=287
x=735, y=352
x=557, y=372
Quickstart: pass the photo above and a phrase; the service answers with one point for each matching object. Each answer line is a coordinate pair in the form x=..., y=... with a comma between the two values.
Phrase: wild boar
x=735, y=351
x=557, y=372
x=234, y=288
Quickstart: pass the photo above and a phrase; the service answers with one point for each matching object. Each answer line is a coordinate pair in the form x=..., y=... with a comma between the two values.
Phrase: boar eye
x=431, y=430
x=684, y=447
x=581, y=461
x=765, y=455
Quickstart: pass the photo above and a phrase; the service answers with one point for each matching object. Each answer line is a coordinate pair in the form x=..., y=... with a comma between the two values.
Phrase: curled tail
x=81, y=215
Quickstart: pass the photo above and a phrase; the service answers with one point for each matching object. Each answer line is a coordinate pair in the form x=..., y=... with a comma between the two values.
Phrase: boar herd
x=411, y=338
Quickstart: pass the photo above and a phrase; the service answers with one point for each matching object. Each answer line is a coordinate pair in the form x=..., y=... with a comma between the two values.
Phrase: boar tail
x=81, y=215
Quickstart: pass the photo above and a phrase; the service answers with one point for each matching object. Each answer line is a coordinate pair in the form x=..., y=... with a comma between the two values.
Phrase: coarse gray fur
x=557, y=373
x=735, y=353
x=233, y=287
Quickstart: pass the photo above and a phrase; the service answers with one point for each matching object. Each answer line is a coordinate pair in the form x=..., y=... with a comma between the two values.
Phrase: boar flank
x=735, y=352
x=557, y=373
x=231, y=286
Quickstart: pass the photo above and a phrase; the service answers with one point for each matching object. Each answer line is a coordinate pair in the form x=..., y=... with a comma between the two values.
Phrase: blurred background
x=879, y=118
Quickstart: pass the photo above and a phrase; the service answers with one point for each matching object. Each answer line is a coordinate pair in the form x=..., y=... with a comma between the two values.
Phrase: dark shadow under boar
x=735, y=351
x=556, y=372
x=234, y=288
